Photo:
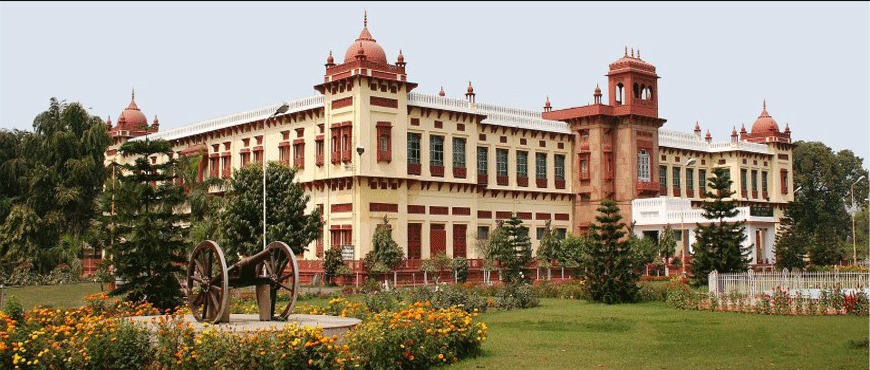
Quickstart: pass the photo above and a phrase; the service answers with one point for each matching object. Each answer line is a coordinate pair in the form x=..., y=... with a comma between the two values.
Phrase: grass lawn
x=568, y=334
x=58, y=296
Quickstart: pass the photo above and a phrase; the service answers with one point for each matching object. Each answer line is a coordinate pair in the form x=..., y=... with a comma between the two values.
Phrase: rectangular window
x=482, y=160
x=743, y=183
x=561, y=232
x=676, y=178
x=226, y=166
x=754, y=180
x=436, y=150
x=284, y=153
x=501, y=166
x=318, y=146
x=643, y=165
x=299, y=155
x=245, y=158
x=458, y=152
x=663, y=179
x=258, y=157
x=584, y=166
x=702, y=182
x=783, y=180
x=559, y=166
x=541, y=165
x=413, y=153
x=214, y=166
x=385, y=142
x=539, y=232
x=522, y=164
x=482, y=232
x=415, y=241
x=690, y=179
x=436, y=155
x=764, y=183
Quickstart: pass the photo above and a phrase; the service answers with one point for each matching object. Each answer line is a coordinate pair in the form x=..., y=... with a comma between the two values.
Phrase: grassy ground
x=567, y=334
x=59, y=296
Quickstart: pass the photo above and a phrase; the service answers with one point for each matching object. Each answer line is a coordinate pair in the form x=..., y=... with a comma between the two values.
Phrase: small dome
x=597, y=90
x=765, y=123
x=470, y=89
x=330, y=59
x=368, y=45
x=547, y=103
x=132, y=118
x=442, y=93
x=401, y=58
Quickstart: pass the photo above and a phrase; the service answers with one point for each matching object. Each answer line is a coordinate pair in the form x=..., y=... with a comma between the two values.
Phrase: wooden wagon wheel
x=280, y=259
x=207, y=282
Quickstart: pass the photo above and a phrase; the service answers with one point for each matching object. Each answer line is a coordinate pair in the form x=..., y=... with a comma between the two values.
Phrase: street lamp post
x=684, y=240
x=854, y=210
x=282, y=109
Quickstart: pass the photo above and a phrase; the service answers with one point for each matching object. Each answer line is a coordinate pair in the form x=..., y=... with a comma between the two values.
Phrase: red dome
x=370, y=47
x=765, y=123
x=133, y=118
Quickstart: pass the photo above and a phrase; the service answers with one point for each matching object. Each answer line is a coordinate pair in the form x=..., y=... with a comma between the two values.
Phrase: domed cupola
x=765, y=124
x=132, y=118
x=365, y=42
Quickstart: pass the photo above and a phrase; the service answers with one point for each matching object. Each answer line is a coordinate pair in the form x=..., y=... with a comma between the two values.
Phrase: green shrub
x=12, y=307
x=516, y=296
x=126, y=346
x=459, y=266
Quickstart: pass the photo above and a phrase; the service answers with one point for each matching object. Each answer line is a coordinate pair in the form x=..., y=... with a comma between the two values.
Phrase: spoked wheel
x=281, y=269
x=207, y=282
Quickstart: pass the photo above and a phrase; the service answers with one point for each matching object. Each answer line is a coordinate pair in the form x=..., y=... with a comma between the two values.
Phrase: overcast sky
x=193, y=61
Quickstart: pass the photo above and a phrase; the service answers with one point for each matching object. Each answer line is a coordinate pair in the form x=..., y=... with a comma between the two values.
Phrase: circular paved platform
x=332, y=325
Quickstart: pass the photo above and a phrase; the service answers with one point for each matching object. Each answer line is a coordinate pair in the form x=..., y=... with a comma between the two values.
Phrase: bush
x=516, y=296
x=12, y=307
x=460, y=269
x=416, y=337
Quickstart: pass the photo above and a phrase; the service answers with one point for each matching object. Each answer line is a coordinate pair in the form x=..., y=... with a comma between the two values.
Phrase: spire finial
x=632, y=52
x=764, y=104
x=638, y=53
x=365, y=18
x=626, y=50
x=133, y=93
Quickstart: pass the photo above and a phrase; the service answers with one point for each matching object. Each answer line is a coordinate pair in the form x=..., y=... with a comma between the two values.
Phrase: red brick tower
x=617, y=144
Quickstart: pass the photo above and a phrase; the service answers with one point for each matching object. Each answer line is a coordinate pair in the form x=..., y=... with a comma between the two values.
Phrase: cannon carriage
x=273, y=271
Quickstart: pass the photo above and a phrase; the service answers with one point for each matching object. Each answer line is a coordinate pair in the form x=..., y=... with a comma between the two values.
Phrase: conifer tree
x=549, y=249
x=610, y=266
x=512, y=249
x=385, y=255
x=718, y=245
x=150, y=245
x=790, y=246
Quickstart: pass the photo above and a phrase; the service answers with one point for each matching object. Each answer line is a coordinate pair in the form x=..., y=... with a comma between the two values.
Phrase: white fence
x=753, y=283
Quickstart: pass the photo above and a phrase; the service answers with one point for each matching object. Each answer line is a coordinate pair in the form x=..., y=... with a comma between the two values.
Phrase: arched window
x=649, y=93
x=643, y=165
x=643, y=92
x=636, y=91
x=619, y=88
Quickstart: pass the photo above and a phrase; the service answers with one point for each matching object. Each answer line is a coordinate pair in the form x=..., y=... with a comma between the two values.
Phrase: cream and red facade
x=444, y=169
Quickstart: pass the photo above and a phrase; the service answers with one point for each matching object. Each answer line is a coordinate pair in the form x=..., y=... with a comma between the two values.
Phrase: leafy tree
x=718, y=245
x=242, y=219
x=512, y=249
x=574, y=250
x=484, y=247
x=459, y=265
x=549, y=249
x=667, y=246
x=611, y=266
x=151, y=245
x=790, y=245
x=819, y=209
x=385, y=256
x=332, y=261
x=49, y=180
x=862, y=230
x=204, y=205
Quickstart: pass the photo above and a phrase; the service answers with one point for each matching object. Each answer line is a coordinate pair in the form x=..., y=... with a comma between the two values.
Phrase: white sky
x=193, y=61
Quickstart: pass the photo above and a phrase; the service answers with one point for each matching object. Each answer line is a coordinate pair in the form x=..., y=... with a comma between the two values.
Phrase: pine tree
x=286, y=220
x=385, y=255
x=610, y=266
x=718, y=245
x=790, y=245
x=549, y=249
x=150, y=245
x=512, y=249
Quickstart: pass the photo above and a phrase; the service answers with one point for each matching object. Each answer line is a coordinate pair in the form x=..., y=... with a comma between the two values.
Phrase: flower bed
x=96, y=336
x=780, y=302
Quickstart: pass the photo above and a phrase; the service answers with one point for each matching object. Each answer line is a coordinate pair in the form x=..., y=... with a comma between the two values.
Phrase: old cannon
x=273, y=271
